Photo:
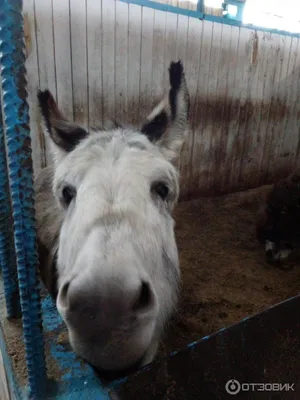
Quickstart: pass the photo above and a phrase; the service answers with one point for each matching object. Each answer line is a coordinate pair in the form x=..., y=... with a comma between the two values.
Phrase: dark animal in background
x=278, y=224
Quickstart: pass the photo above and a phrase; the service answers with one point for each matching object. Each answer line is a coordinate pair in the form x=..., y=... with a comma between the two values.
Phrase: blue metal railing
x=7, y=250
x=15, y=146
x=199, y=14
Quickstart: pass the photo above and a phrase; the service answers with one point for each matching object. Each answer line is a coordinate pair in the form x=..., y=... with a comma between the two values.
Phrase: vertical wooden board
x=158, y=65
x=264, y=132
x=220, y=104
x=78, y=19
x=121, y=62
x=295, y=128
x=94, y=55
x=181, y=47
x=194, y=68
x=257, y=123
x=245, y=115
x=108, y=57
x=171, y=33
x=63, y=57
x=252, y=111
x=212, y=102
x=46, y=58
x=286, y=155
x=239, y=62
x=182, y=37
x=192, y=71
x=134, y=62
x=290, y=139
x=281, y=100
x=189, y=5
x=230, y=103
x=202, y=135
x=196, y=120
x=243, y=83
x=32, y=74
x=275, y=124
x=146, y=62
x=45, y=44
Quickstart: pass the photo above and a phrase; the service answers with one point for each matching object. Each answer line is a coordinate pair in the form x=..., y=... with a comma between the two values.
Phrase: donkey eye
x=68, y=194
x=162, y=190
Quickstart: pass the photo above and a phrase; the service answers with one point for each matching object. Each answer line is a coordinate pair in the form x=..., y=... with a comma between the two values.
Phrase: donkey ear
x=64, y=134
x=167, y=125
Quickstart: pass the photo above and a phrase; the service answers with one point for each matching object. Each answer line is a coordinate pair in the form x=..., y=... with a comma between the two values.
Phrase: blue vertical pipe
x=200, y=6
x=7, y=250
x=18, y=144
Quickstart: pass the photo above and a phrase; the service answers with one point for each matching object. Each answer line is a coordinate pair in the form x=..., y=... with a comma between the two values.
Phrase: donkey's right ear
x=167, y=125
x=65, y=135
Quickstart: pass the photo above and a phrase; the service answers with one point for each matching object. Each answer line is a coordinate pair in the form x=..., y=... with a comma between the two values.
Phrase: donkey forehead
x=125, y=150
x=119, y=138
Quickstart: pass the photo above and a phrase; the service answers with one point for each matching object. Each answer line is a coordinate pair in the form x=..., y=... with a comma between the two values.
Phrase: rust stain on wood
x=27, y=35
x=219, y=110
x=254, y=51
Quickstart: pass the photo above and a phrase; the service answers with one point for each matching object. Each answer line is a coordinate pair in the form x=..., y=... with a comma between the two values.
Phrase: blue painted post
x=18, y=143
x=200, y=6
x=7, y=250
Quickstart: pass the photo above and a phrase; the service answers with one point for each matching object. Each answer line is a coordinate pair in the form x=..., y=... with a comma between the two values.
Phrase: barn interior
x=108, y=59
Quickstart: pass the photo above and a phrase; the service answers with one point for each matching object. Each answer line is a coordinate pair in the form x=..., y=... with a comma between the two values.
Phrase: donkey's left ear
x=167, y=125
x=65, y=135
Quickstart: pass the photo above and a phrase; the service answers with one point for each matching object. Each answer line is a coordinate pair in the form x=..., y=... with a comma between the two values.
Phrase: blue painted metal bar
x=77, y=380
x=200, y=6
x=207, y=17
x=18, y=141
x=7, y=250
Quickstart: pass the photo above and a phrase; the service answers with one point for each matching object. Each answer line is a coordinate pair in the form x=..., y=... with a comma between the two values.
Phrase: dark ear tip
x=45, y=98
x=176, y=73
x=43, y=95
x=46, y=101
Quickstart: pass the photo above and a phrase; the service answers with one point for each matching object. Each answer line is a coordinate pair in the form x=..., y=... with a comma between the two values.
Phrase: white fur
x=114, y=235
x=282, y=255
x=269, y=245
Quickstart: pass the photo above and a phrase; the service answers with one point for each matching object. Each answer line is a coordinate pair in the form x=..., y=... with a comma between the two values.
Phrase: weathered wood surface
x=105, y=58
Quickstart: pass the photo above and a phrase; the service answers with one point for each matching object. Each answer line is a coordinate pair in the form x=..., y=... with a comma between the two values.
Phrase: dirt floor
x=224, y=273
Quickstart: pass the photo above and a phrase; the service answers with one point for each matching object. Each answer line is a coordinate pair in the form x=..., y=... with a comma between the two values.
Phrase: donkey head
x=117, y=261
x=278, y=224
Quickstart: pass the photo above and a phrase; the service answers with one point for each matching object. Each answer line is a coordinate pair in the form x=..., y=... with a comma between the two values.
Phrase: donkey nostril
x=63, y=296
x=144, y=298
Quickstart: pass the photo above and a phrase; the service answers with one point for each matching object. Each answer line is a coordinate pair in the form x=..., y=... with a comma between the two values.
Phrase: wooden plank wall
x=187, y=4
x=107, y=57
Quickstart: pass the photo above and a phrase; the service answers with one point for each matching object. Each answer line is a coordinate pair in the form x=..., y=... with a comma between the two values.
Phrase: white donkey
x=107, y=248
